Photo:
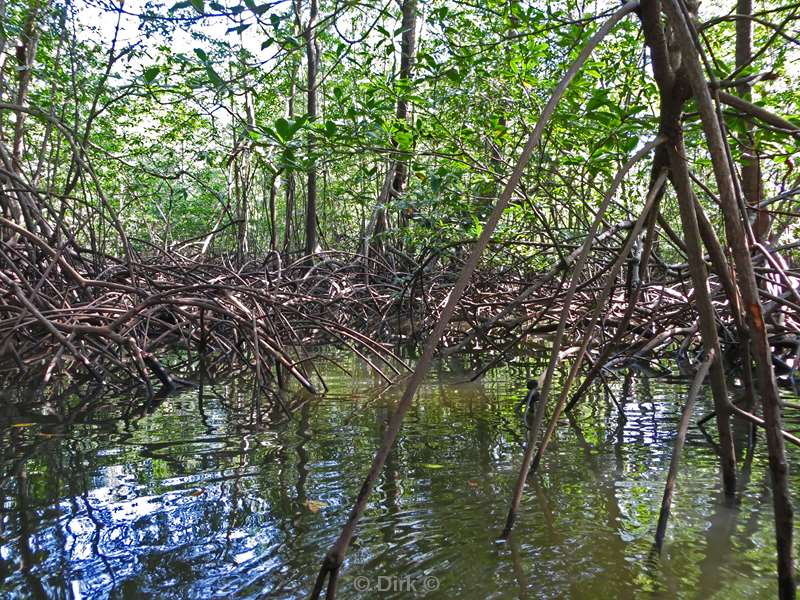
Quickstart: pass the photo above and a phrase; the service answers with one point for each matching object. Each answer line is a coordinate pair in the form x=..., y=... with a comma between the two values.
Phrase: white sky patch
x=99, y=24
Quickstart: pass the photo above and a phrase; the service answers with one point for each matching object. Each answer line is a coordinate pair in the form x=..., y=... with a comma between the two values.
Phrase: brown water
x=197, y=500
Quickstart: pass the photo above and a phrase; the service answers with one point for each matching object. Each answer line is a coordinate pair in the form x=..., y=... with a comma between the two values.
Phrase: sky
x=100, y=23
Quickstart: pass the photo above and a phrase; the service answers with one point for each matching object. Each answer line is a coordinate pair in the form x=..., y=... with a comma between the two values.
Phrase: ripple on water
x=197, y=501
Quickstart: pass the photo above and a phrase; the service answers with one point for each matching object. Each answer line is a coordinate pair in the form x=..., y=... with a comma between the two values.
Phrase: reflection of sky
x=105, y=532
x=188, y=503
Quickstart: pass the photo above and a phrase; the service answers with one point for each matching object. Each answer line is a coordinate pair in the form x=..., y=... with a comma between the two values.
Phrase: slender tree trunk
x=702, y=298
x=407, y=55
x=737, y=238
x=395, y=179
x=675, y=90
x=242, y=175
x=273, y=223
x=26, y=55
x=290, y=180
x=3, y=37
x=751, y=165
x=24, y=208
x=312, y=57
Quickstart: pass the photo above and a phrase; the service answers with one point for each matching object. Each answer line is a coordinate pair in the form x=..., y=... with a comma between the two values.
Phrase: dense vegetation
x=246, y=180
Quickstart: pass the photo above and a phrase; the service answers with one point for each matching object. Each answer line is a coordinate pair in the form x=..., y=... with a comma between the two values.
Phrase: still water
x=193, y=497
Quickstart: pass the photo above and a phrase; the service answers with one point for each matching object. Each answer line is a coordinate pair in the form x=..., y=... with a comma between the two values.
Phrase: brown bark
x=751, y=166
x=20, y=205
x=708, y=319
x=736, y=235
x=407, y=54
x=675, y=90
x=312, y=58
x=291, y=184
x=395, y=179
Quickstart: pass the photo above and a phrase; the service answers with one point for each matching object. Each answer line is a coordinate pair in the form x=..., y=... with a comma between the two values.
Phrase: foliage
x=182, y=111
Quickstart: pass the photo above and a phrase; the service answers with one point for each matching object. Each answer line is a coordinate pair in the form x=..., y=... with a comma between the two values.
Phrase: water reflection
x=194, y=496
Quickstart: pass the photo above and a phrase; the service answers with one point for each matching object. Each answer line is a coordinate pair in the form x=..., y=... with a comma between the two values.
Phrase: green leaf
x=268, y=131
x=199, y=6
x=431, y=62
x=180, y=5
x=453, y=75
x=257, y=9
x=150, y=74
x=330, y=129
x=201, y=54
x=214, y=77
x=297, y=124
x=629, y=144
x=283, y=129
x=239, y=28
x=598, y=99
x=477, y=227
x=404, y=140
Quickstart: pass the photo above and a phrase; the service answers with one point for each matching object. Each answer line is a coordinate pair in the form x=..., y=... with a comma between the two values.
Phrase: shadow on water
x=195, y=496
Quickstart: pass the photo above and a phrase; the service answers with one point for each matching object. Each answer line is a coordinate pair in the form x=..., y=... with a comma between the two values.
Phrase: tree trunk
x=751, y=165
x=290, y=181
x=675, y=90
x=407, y=54
x=395, y=180
x=312, y=57
x=273, y=223
x=22, y=206
x=708, y=321
x=754, y=311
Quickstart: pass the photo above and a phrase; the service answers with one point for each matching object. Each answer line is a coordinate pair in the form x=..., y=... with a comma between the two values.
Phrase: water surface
x=195, y=497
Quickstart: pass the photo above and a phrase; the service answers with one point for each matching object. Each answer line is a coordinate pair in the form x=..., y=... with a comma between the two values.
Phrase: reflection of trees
x=203, y=494
x=96, y=536
x=25, y=533
x=609, y=542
